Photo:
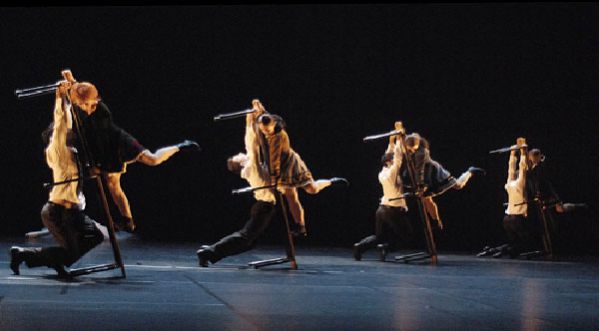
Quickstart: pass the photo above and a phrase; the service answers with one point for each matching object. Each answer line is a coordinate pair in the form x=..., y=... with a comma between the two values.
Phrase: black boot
x=19, y=255
x=357, y=252
x=383, y=250
x=501, y=250
x=339, y=180
x=486, y=251
x=188, y=145
x=205, y=254
x=477, y=170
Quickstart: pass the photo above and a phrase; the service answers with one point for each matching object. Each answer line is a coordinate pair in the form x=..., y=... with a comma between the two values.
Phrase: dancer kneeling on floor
x=515, y=222
x=63, y=214
x=391, y=213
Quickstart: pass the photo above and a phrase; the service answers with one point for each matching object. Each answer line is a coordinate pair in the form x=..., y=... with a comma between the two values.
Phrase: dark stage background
x=469, y=77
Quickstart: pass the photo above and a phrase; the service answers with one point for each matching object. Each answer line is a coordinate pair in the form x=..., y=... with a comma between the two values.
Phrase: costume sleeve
x=251, y=143
x=58, y=143
x=397, y=155
x=397, y=160
x=511, y=167
x=390, y=148
x=521, y=170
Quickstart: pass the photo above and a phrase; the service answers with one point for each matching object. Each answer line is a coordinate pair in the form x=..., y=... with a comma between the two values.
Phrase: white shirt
x=515, y=187
x=390, y=180
x=61, y=159
x=253, y=172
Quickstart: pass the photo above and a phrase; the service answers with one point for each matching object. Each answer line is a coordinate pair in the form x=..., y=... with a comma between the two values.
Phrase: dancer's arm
x=391, y=145
x=511, y=166
x=397, y=159
x=251, y=119
x=252, y=148
x=522, y=170
x=57, y=146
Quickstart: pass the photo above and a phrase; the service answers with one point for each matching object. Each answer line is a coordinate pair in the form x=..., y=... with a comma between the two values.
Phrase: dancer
x=286, y=167
x=515, y=221
x=539, y=186
x=544, y=199
x=112, y=148
x=63, y=215
x=249, y=167
x=391, y=213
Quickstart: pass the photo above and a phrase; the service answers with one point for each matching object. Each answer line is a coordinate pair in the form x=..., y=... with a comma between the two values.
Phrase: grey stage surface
x=166, y=290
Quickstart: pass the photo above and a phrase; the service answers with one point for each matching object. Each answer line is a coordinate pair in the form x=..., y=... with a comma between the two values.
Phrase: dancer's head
x=236, y=162
x=270, y=124
x=85, y=96
x=414, y=141
x=535, y=157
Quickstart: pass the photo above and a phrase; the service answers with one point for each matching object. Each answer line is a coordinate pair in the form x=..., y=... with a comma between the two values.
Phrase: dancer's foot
x=188, y=145
x=486, y=251
x=437, y=223
x=477, y=170
x=205, y=255
x=357, y=252
x=298, y=230
x=339, y=180
x=17, y=256
x=125, y=223
x=383, y=250
x=501, y=251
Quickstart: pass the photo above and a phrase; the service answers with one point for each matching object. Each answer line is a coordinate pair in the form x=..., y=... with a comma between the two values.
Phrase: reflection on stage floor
x=166, y=290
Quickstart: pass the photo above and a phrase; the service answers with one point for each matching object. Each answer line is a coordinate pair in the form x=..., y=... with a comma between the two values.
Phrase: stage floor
x=166, y=290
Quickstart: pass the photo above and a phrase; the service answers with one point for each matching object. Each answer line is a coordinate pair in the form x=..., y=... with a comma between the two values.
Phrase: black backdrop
x=468, y=77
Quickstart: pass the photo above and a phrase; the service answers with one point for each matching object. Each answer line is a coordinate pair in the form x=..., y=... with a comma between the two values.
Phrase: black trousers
x=243, y=240
x=392, y=223
x=75, y=232
x=518, y=232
